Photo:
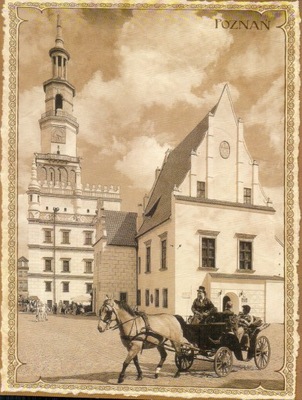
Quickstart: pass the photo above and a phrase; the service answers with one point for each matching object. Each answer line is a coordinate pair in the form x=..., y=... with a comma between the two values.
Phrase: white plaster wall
x=158, y=279
x=193, y=217
x=275, y=302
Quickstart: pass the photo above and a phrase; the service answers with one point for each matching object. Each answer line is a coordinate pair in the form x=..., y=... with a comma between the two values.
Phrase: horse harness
x=141, y=335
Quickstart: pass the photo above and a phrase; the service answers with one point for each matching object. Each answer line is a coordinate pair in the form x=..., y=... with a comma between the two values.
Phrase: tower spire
x=59, y=38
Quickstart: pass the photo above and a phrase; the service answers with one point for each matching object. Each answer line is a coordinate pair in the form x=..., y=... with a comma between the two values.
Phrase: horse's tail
x=181, y=321
x=184, y=326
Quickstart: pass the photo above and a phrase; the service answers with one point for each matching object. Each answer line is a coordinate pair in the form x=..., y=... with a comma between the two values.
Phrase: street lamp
x=55, y=210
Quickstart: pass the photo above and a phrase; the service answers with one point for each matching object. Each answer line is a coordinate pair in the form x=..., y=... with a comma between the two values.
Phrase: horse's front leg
x=138, y=368
x=163, y=356
x=132, y=353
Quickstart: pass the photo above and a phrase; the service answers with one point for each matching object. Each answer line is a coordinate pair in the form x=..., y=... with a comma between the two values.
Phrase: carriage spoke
x=223, y=361
x=262, y=352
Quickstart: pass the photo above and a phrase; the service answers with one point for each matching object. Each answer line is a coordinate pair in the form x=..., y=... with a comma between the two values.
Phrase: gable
x=173, y=173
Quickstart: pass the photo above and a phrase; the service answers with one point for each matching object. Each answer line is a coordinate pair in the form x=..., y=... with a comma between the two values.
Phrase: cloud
x=29, y=141
x=276, y=195
x=268, y=113
x=253, y=61
x=139, y=164
x=161, y=61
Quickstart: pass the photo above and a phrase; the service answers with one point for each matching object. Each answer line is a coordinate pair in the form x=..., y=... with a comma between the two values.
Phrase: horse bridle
x=108, y=317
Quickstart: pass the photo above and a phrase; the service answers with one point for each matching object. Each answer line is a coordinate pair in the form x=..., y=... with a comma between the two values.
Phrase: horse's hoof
x=120, y=380
x=177, y=374
x=156, y=376
x=139, y=378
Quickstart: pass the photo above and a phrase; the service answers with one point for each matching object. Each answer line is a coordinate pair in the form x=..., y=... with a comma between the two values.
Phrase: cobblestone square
x=69, y=349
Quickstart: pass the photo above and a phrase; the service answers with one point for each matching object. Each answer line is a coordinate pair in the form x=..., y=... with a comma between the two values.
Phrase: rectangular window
x=163, y=254
x=88, y=238
x=66, y=266
x=139, y=265
x=201, y=190
x=65, y=237
x=123, y=296
x=138, y=298
x=47, y=286
x=245, y=255
x=88, y=267
x=148, y=259
x=165, y=298
x=47, y=236
x=208, y=253
x=65, y=287
x=88, y=287
x=147, y=297
x=247, y=196
x=156, y=298
x=48, y=265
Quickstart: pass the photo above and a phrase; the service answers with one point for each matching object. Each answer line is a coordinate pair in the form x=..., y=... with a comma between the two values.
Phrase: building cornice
x=60, y=248
x=61, y=276
x=220, y=203
x=246, y=276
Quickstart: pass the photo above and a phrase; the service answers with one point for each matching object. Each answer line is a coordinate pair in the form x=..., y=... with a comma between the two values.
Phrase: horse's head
x=107, y=314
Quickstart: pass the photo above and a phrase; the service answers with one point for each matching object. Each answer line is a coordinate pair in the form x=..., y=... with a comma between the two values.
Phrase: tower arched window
x=59, y=102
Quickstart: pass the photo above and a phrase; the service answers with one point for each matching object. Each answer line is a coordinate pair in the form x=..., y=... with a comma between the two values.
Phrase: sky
x=144, y=79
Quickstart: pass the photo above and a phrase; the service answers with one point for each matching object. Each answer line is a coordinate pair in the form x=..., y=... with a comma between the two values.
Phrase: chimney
x=140, y=216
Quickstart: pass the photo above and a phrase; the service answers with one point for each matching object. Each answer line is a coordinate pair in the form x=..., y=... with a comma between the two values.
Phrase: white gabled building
x=61, y=210
x=208, y=222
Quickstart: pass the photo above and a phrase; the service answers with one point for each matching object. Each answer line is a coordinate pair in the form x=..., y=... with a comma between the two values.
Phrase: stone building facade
x=61, y=209
x=115, y=257
x=208, y=222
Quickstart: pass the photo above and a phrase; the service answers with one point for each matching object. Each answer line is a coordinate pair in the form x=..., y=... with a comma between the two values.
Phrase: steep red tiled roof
x=120, y=227
x=172, y=174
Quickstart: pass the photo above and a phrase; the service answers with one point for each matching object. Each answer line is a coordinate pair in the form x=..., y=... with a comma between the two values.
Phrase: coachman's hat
x=201, y=289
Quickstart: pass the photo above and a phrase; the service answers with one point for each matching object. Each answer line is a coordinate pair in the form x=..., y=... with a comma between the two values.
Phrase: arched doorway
x=229, y=296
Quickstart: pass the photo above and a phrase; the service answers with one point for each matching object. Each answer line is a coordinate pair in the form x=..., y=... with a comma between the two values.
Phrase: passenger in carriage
x=202, y=306
x=244, y=321
x=228, y=308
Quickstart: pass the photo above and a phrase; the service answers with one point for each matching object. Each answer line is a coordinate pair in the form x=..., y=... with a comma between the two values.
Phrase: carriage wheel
x=184, y=360
x=262, y=352
x=223, y=361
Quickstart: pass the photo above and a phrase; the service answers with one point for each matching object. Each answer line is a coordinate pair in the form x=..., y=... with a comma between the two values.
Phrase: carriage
x=215, y=340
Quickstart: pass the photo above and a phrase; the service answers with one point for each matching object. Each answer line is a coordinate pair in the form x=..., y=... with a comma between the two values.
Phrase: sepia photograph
x=150, y=216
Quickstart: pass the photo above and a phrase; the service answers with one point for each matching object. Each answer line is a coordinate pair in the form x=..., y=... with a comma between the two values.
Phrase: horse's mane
x=123, y=305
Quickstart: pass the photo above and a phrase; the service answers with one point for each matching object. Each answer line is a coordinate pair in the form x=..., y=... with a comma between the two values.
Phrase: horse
x=140, y=331
x=41, y=312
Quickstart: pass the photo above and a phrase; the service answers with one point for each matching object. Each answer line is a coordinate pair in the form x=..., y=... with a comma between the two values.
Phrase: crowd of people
x=202, y=308
x=34, y=305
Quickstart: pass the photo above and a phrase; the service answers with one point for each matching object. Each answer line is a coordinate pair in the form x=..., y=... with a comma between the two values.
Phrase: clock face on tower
x=224, y=149
x=58, y=134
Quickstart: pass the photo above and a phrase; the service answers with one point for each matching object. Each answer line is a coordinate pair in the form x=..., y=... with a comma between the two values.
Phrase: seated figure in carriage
x=245, y=319
x=202, y=307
